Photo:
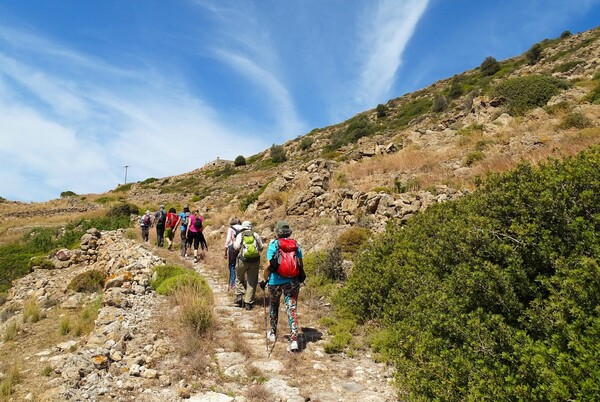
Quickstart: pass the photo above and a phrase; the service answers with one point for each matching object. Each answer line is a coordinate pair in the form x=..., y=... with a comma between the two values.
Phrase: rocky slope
x=133, y=351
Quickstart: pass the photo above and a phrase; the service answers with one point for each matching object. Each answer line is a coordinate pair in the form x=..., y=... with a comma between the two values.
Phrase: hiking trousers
x=145, y=233
x=183, y=243
x=231, y=260
x=160, y=235
x=290, y=292
x=246, y=279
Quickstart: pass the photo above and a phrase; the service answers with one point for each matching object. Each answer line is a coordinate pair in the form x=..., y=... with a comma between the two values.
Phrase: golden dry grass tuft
x=31, y=311
x=11, y=378
x=258, y=393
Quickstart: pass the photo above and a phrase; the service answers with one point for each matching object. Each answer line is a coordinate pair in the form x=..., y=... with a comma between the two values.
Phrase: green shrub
x=357, y=127
x=575, y=120
x=382, y=111
x=412, y=110
x=169, y=285
x=564, y=67
x=163, y=272
x=534, y=54
x=440, y=103
x=278, y=154
x=594, y=96
x=239, y=161
x=88, y=282
x=456, y=90
x=528, y=92
x=123, y=210
x=123, y=188
x=353, y=239
x=473, y=157
x=41, y=262
x=565, y=34
x=494, y=296
x=148, y=181
x=306, y=143
x=489, y=66
x=66, y=194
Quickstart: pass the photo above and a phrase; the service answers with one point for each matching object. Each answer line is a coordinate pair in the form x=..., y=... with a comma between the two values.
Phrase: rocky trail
x=136, y=352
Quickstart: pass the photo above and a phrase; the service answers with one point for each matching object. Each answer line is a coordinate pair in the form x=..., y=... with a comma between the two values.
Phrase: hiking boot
x=238, y=301
x=271, y=336
x=249, y=306
x=293, y=346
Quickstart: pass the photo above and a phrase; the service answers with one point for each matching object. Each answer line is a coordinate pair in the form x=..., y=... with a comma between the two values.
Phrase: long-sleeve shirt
x=232, y=232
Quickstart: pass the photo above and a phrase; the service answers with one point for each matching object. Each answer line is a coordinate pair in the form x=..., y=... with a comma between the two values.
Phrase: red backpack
x=288, y=265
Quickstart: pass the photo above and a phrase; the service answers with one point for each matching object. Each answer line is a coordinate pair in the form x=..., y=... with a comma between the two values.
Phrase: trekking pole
x=266, y=323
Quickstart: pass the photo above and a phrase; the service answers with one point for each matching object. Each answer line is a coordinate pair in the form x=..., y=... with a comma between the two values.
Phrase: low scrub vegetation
x=494, y=296
x=88, y=281
x=16, y=258
x=528, y=92
x=190, y=292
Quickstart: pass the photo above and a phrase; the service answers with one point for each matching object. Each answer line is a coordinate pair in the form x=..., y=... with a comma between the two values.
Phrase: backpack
x=184, y=219
x=146, y=221
x=197, y=223
x=285, y=262
x=171, y=220
x=249, y=248
x=161, y=218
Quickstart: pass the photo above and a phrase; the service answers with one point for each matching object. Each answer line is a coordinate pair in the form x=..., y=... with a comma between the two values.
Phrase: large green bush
x=495, y=296
x=525, y=93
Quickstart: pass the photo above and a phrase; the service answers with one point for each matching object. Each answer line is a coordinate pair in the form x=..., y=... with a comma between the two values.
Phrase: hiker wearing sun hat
x=284, y=274
x=249, y=245
x=145, y=224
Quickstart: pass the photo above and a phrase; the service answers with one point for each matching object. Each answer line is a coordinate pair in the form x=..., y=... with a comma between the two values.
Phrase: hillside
x=382, y=166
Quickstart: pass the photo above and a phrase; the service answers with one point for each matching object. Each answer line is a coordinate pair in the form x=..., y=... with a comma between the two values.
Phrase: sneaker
x=195, y=259
x=238, y=301
x=293, y=346
x=249, y=306
x=271, y=336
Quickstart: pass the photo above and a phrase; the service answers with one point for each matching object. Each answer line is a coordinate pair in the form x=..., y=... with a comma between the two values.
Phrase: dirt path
x=309, y=375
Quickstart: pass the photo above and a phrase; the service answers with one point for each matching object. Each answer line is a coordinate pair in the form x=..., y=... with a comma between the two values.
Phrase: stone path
x=134, y=353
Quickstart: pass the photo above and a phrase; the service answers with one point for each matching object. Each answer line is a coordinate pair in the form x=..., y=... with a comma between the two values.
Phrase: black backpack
x=161, y=218
x=197, y=223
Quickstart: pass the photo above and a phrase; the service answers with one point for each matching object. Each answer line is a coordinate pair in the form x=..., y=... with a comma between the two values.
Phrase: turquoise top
x=275, y=278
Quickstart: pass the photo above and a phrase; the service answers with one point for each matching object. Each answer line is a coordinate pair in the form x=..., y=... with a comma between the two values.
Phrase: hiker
x=146, y=224
x=160, y=218
x=248, y=244
x=183, y=222
x=203, y=243
x=171, y=225
x=288, y=286
x=235, y=227
x=194, y=230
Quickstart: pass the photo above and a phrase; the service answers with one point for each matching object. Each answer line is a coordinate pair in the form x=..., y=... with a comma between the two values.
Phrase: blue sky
x=87, y=87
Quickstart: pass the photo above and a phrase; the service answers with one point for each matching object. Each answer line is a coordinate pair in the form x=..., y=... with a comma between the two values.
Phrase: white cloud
x=61, y=132
x=384, y=35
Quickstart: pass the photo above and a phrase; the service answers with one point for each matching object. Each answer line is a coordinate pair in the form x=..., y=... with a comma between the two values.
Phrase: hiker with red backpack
x=145, y=225
x=235, y=227
x=284, y=274
x=171, y=224
x=248, y=244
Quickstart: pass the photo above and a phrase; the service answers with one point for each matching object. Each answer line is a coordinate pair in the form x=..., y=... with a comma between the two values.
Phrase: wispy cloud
x=384, y=35
x=62, y=132
x=246, y=46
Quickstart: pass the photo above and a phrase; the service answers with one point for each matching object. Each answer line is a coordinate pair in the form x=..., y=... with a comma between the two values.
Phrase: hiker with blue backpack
x=183, y=221
x=283, y=274
x=248, y=244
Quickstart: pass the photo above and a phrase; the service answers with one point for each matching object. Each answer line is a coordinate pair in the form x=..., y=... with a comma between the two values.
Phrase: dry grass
x=258, y=393
x=11, y=378
x=240, y=344
x=11, y=331
x=31, y=311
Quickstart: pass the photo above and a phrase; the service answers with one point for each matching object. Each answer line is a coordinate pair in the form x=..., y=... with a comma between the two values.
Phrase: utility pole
x=126, y=166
